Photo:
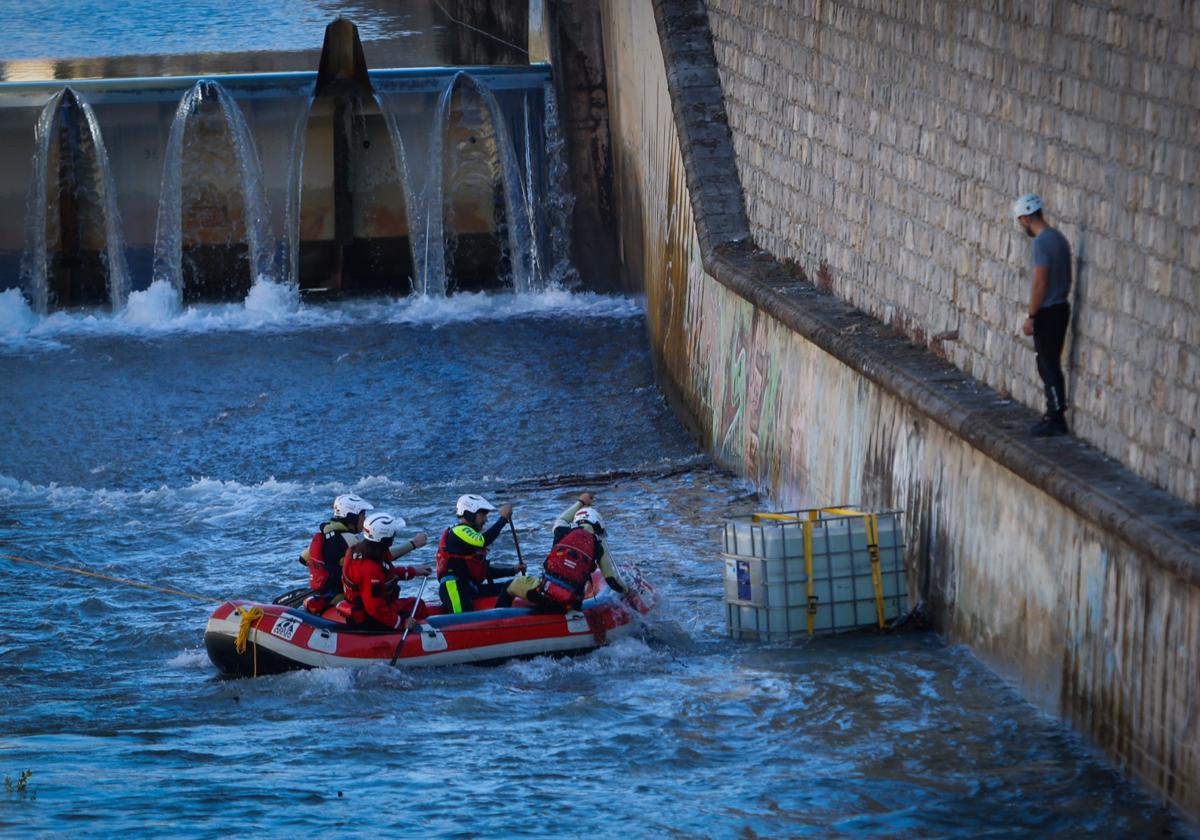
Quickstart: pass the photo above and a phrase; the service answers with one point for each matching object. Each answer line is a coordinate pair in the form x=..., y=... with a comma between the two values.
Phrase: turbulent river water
x=199, y=450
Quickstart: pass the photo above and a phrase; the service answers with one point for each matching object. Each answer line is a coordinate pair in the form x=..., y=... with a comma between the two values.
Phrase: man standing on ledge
x=1049, y=311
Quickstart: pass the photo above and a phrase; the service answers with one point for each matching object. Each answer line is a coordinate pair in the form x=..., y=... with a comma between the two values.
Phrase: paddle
x=516, y=542
x=294, y=597
x=416, y=604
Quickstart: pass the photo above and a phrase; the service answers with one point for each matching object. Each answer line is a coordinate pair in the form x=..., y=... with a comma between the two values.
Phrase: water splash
x=418, y=238
x=34, y=266
x=560, y=201
x=168, y=244
x=271, y=299
x=156, y=305
x=291, y=215
x=533, y=213
x=16, y=318
x=272, y=307
x=522, y=246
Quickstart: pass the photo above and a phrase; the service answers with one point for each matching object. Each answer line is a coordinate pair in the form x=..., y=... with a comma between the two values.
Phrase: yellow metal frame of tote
x=871, y=521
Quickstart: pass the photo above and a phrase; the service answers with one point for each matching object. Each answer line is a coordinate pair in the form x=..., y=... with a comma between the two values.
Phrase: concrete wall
x=881, y=143
x=577, y=54
x=1062, y=570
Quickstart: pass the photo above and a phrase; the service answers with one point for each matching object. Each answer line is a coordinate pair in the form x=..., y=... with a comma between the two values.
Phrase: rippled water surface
x=54, y=29
x=199, y=451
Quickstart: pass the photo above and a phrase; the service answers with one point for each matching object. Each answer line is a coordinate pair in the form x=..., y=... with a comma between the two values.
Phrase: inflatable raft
x=245, y=638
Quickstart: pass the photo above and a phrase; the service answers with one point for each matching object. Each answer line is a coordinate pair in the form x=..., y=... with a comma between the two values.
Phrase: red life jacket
x=573, y=558
x=353, y=607
x=325, y=554
x=475, y=561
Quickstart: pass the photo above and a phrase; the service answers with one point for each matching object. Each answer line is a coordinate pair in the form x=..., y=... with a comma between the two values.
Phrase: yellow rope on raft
x=249, y=616
x=77, y=571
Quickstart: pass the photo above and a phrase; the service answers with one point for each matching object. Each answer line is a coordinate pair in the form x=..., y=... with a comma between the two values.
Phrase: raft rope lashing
x=250, y=617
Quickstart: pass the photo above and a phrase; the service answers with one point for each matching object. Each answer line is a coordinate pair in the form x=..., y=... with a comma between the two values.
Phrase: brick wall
x=880, y=144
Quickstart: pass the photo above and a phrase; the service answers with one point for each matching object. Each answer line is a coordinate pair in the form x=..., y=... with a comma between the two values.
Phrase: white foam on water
x=158, y=304
x=270, y=300
x=480, y=306
x=618, y=657
x=18, y=323
x=16, y=318
x=202, y=494
x=276, y=307
x=320, y=682
x=190, y=658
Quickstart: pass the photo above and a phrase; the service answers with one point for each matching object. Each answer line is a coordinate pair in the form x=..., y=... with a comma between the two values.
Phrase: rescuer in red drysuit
x=578, y=550
x=324, y=554
x=367, y=575
x=325, y=551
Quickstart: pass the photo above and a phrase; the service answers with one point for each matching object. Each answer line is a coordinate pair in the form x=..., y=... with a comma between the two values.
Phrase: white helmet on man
x=471, y=503
x=1026, y=205
x=349, y=504
x=589, y=516
x=380, y=526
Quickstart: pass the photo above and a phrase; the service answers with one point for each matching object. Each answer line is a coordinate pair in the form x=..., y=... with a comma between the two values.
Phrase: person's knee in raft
x=368, y=574
x=579, y=547
x=328, y=546
x=464, y=572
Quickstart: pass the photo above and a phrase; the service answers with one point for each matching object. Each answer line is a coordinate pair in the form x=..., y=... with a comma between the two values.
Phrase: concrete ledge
x=698, y=105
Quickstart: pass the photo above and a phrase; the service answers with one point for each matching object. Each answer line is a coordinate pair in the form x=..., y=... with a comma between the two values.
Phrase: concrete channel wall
x=881, y=144
x=1064, y=571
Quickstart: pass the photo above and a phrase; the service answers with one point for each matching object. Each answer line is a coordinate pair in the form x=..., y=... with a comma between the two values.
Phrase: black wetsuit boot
x=1049, y=334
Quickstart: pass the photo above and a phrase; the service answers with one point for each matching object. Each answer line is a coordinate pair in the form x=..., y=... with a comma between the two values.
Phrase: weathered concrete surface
x=1063, y=570
x=577, y=54
x=881, y=144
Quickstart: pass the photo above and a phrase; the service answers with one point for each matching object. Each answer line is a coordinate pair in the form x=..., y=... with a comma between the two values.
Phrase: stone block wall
x=880, y=144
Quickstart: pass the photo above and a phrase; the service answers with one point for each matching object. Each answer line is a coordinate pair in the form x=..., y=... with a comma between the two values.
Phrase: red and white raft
x=246, y=638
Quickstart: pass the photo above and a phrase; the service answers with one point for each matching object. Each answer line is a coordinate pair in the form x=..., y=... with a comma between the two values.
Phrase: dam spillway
x=217, y=182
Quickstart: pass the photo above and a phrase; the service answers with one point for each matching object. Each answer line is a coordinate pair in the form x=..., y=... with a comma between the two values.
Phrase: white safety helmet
x=349, y=504
x=471, y=503
x=589, y=516
x=380, y=526
x=1026, y=205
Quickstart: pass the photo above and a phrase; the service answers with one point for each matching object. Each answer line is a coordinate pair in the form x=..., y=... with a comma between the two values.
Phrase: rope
x=480, y=31
x=249, y=616
x=77, y=571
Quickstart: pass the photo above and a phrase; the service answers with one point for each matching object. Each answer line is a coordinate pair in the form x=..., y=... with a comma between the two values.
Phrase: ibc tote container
x=767, y=590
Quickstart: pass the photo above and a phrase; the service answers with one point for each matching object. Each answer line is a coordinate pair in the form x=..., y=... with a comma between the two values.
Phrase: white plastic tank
x=766, y=583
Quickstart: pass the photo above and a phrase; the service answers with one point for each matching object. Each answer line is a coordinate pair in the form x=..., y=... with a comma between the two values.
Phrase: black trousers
x=458, y=595
x=1049, y=333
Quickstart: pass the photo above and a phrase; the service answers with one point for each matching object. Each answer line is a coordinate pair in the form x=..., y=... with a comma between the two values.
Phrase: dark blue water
x=47, y=29
x=200, y=450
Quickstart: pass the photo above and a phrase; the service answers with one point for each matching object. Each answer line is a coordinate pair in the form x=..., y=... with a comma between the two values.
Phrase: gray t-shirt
x=1050, y=250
